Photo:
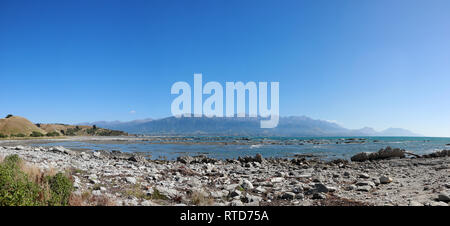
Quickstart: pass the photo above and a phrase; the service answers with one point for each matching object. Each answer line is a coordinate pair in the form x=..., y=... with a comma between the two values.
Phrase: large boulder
x=185, y=159
x=258, y=158
x=360, y=157
x=386, y=153
x=62, y=150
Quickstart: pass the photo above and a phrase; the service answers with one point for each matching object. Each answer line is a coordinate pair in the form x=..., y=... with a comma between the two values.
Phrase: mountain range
x=288, y=126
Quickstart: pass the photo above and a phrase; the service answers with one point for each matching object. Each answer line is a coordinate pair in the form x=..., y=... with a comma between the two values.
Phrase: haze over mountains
x=288, y=126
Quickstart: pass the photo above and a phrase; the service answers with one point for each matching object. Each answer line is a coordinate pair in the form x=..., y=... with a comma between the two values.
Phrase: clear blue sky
x=360, y=63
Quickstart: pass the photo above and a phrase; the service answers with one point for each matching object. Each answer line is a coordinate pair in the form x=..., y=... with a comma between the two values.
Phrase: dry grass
x=199, y=199
x=87, y=199
x=332, y=200
x=102, y=200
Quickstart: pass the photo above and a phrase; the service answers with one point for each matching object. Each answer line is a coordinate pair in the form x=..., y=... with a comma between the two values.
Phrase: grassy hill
x=18, y=126
x=15, y=126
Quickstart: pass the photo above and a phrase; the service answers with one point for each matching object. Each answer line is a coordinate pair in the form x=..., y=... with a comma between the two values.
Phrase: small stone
x=439, y=204
x=247, y=185
x=319, y=196
x=136, y=158
x=288, y=196
x=331, y=189
x=364, y=175
x=299, y=196
x=321, y=188
x=260, y=189
x=131, y=180
x=235, y=193
x=385, y=179
x=237, y=203
x=253, y=198
x=277, y=180
x=351, y=187
x=365, y=183
x=363, y=188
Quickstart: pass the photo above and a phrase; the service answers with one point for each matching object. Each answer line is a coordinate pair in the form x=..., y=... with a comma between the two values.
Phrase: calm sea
x=326, y=148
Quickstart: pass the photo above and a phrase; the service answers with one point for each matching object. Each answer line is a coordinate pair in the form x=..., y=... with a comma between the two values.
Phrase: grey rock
x=365, y=183
x=131, y=180
x=299, y=196
x=235, y=193
x=277, y=180
x=253, y=198
x=444, y=196
x=247, y=185
x=364, y=175
x=236, y=203
x=386, y=153
x=363, y=188
x=319, y=196
x=288, y=196
x=260, y=189
x=169, y=192
x=137, y=158
x=318, y=187
x=385, y=179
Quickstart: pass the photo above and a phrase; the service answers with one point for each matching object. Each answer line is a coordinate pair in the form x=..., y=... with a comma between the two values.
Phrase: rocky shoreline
x=131, y=179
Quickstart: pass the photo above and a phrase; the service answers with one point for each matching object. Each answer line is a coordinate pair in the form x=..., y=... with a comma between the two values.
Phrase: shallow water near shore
x=232, y=147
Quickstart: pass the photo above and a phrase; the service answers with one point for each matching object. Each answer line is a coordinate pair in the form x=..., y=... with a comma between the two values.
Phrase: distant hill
x=16, y=126
x=118, y=125
x=288, y=126
x=396, y=131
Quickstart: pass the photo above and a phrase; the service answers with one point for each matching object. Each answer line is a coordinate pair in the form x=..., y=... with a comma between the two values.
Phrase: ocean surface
x=326, y=148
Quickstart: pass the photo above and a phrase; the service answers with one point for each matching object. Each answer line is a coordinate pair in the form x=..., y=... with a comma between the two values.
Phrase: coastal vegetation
x=22, y=184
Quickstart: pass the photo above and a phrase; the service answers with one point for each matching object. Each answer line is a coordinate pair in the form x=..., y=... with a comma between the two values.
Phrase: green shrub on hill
x=36, y=134
x=52, y=134
x=72, y=131
x=90, y=131
x=110, y=133
x=3, y=135
x=18, y=135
